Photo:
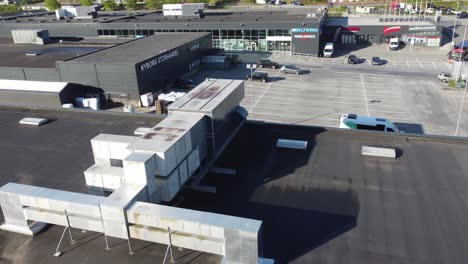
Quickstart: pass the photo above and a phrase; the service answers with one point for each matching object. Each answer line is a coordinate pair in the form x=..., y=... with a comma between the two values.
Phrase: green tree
x=152, y=4
x=86, y=2
x=52, y=4
x=23, y=2
x=131, y=4
x=110, y=5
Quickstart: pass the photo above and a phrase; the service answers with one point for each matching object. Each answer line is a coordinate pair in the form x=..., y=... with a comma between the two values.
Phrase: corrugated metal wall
x=118, y=78
x=30, y=74
x=8, y=97
x=78, y=73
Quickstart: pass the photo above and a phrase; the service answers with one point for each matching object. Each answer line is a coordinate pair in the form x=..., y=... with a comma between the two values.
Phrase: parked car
x=265, y=63
x=291, y=69
x=377, y=61
x=258, y=76
x=462, y=15
x=353, y=59
x=444, y=77
x=297, y=3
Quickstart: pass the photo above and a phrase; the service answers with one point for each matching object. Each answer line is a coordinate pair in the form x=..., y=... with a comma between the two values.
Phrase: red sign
x=352, y=29
x=388, y=30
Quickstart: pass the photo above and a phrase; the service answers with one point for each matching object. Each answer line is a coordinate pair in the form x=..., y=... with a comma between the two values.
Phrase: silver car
x=291, y=69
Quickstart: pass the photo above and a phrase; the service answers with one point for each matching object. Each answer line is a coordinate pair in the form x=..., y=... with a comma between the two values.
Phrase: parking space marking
x=365, y=97
x=266, y=89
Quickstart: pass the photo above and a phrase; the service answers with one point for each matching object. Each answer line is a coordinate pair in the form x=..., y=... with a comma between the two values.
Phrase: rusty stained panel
x=209, y=92
x=167, y=133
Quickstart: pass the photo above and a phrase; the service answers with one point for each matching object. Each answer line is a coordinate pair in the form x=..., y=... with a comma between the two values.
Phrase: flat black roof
x=275, y=15
x=330, y=205
x=326, y=204
x=14, y=55
x=55, y=156
x=226, y=16
x=140, y=49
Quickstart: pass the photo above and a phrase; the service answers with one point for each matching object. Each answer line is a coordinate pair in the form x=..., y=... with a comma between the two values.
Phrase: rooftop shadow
x=300, y=210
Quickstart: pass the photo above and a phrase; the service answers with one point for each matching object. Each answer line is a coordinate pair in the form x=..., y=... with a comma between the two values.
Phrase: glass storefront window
x=262, y=33
x=224, y=33
x=238, y=34
x=279, y=45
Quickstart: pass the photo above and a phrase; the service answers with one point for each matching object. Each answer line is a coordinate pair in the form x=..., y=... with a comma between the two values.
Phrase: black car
x=265, y=63
x=353, y=59
x=377, y=61
x=258, y=76
x=462, y=15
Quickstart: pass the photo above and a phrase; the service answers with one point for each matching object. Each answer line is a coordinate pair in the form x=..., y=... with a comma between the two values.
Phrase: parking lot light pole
x=453, y=30
x=460, y=59
x=251, y=67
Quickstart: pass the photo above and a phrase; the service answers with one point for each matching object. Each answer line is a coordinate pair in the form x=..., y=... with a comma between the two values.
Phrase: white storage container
x=168, y=186
x=139, y=167
x=193, y=161
x=169, y=140
x=183, y=172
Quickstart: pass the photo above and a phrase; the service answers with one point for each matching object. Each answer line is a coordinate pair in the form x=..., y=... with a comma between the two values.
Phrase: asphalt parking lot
x=404, y=90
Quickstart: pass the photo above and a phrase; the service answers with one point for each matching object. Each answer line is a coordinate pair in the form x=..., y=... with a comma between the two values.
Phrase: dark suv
x=258, y=76
x=265, y=63
x=353, y=59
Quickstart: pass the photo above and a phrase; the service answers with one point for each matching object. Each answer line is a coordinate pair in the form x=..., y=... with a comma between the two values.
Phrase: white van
x=352, y=121
x=328, y=50
x=394, y=43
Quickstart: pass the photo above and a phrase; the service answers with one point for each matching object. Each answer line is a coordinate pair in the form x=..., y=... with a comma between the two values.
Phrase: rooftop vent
x=33, y=121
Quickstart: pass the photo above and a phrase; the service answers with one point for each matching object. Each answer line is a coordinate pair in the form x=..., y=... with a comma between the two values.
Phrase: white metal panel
x=90, y=224
x=33, y=86
x=115, y=229
x=378, y=152
x=180, y=150
x=45, y=216
x=193, y=162
x=33, y=121
x=142, y=130
x=183, y=172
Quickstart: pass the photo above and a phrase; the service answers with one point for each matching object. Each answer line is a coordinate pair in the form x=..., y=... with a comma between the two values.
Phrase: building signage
x=156, y=61
x=304, y=36
x=305, y=30
x=195, y=47
x=352, y=29
x=422, y=29
x=388, y=30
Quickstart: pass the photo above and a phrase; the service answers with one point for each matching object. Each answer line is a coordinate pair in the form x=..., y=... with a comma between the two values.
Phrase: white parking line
x=461, y=109
x=260, y=97
x=365, y=97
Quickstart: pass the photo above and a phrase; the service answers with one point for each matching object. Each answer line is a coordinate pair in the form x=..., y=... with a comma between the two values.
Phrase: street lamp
x=453, y=30
x=252, y=67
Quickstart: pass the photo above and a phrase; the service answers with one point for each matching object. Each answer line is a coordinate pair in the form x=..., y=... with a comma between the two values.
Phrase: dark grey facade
x=427, y=34
x=233, y=31
x=129, y=69
x=118, y=70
